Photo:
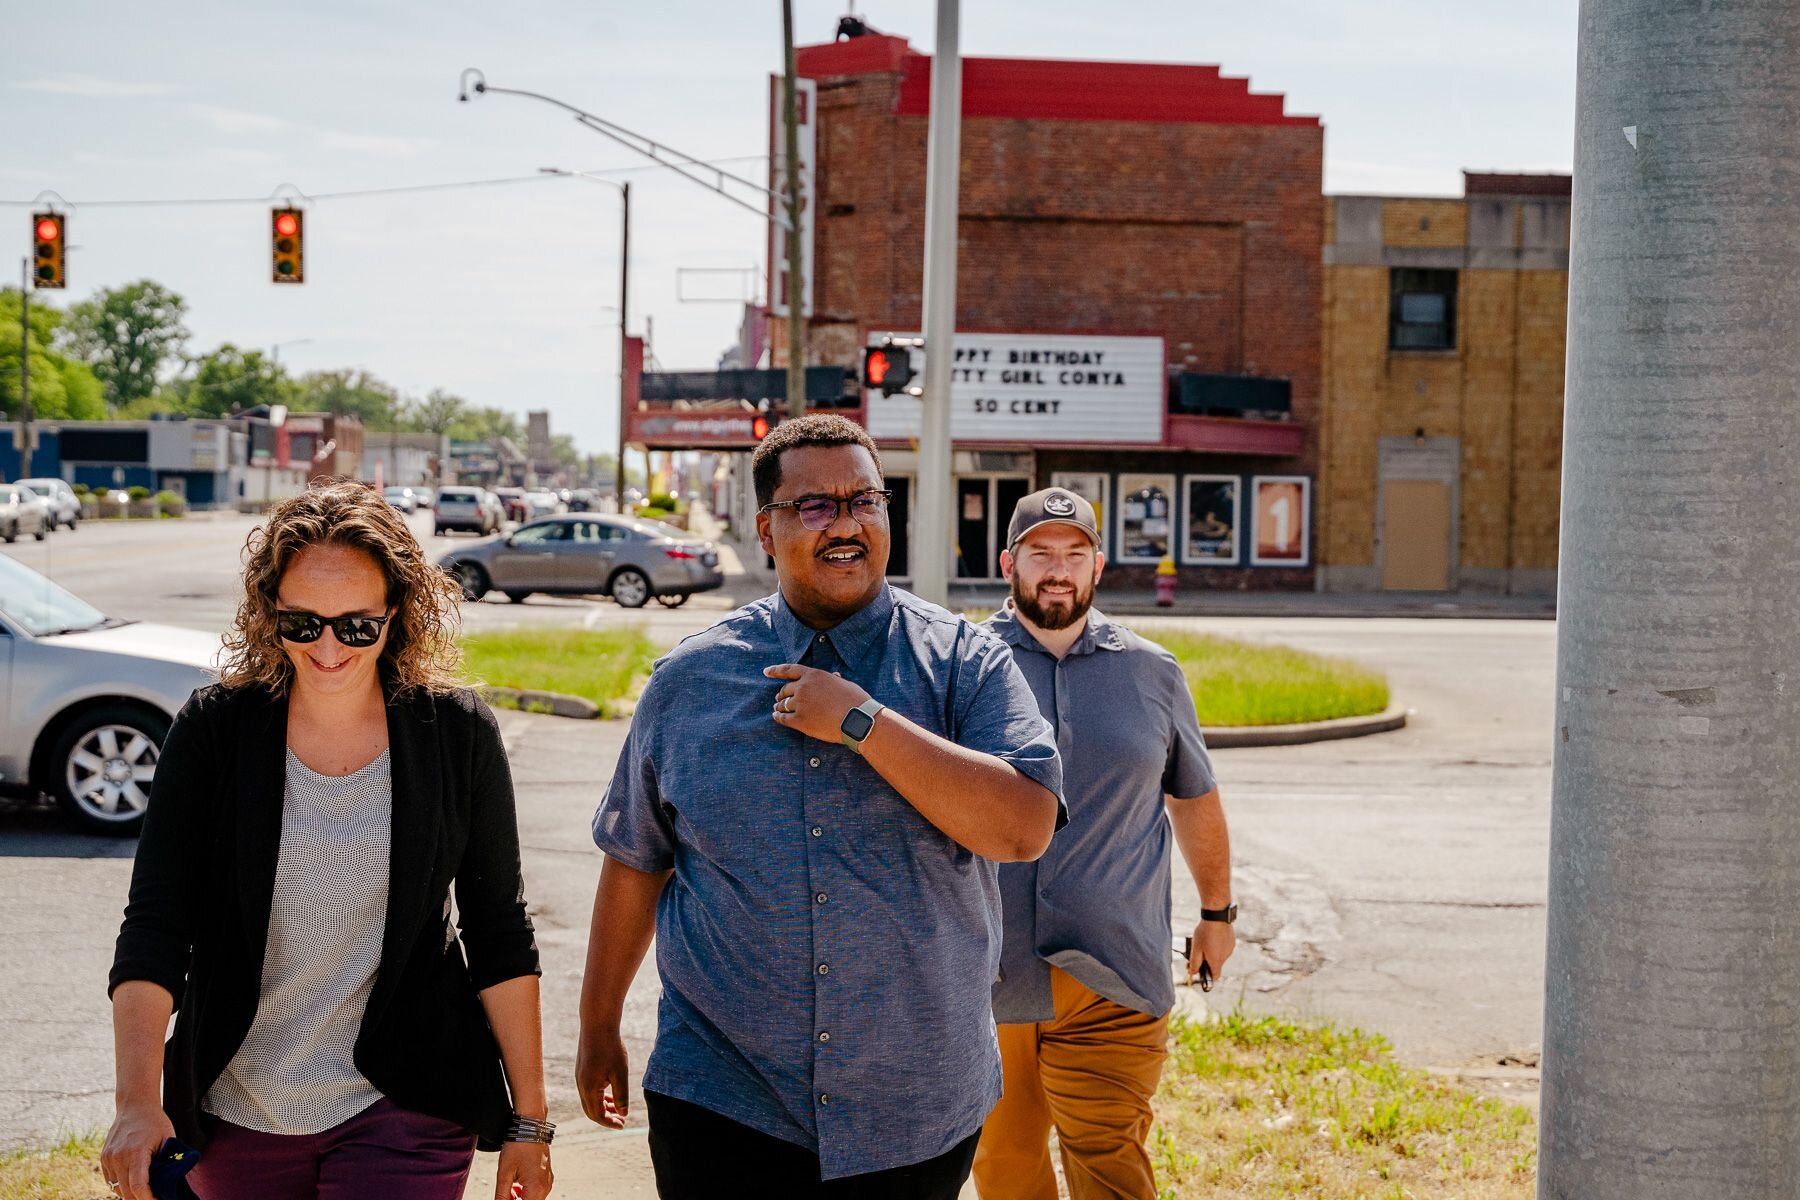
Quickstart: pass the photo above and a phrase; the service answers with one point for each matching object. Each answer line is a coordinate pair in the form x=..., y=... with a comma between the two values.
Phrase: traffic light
x=888, y=368
x=759, y=428
x=287, y=232
x=49, y=248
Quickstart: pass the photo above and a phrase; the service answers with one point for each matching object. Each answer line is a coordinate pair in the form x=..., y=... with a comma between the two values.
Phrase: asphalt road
x=1394, y=882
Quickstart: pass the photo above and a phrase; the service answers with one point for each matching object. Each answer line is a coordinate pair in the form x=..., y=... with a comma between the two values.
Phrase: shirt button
x=821, y=897
x=817, y=832
x=824, y=968
x=824, y=1097
x=812, y=762
x=824, y=1036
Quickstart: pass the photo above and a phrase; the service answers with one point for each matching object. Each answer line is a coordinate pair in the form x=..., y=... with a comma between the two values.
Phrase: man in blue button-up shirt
x=808, y=811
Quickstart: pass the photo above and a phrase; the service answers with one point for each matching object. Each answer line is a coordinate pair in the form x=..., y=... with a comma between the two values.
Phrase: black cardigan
x=197, y=921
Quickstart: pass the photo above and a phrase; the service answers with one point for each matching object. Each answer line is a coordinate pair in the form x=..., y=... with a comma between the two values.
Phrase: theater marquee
x=1041, y=389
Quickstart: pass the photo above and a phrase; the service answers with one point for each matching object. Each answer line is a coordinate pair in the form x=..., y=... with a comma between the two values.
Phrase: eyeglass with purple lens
x=821, y=512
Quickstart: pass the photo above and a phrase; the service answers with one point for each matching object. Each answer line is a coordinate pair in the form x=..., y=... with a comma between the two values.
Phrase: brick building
x=1441, y=429
x=1138, y=289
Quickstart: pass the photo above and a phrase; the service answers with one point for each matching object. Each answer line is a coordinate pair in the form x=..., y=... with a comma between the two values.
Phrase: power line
x=360, y=193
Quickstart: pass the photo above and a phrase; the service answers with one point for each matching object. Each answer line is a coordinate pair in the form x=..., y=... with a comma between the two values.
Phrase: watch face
x=857, y=724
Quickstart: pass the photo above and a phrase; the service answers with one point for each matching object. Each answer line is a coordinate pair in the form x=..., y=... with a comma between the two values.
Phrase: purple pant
x=383, y=1153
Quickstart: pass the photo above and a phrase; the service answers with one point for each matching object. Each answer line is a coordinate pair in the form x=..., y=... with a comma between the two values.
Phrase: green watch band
x=859, y=723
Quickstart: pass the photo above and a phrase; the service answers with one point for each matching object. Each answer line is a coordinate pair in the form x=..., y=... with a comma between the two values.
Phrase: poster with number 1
x=1282, y=534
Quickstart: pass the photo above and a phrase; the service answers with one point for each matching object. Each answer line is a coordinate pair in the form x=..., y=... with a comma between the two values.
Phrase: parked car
x=517, y=509
x=585, y=554
x=584, y=500
x=22, y=512
x=91, y=698
x=543, y=503
x=496, y=510
x=64, y=504
x=471, y=509
x=404, y=499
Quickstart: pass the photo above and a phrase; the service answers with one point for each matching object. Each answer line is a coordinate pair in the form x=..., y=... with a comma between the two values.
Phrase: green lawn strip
x=1240, y=683
x=606, y=666
x=1264, y=1108
x=69, y=1170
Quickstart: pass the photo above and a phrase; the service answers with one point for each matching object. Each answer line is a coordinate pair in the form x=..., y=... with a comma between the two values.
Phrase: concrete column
x=1672, y=1032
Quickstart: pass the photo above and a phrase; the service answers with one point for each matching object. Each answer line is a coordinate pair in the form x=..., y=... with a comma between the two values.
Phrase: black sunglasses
x=820, y=512
x=305, y=627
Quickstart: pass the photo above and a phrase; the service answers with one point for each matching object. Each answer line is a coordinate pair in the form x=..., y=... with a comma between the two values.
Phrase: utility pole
x=796, y=289
x=25, y=366
x=931, y=531
x=1671, y=1039
x=624, y=295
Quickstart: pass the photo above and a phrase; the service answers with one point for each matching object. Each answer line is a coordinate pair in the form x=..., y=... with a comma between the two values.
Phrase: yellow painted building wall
x=1500, y=392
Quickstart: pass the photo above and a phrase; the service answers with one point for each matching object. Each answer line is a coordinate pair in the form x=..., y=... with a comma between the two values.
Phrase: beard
x=1058, y=614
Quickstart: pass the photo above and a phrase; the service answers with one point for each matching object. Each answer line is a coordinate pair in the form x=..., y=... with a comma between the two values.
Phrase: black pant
x=700, y=1155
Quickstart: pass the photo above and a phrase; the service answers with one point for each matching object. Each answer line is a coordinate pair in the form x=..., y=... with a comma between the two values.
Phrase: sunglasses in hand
x=305, y=627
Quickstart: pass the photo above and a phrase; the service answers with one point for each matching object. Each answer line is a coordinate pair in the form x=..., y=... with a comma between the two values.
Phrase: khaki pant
x=1090, y=1072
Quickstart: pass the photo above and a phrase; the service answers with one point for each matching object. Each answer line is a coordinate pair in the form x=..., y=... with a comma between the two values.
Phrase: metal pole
x=931, y=528
x=624, y=294
x=25, y=365
x=796, y=290
x=1672, y=1040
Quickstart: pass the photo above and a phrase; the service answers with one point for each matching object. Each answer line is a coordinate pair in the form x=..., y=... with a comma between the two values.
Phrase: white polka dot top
x=295, y=1072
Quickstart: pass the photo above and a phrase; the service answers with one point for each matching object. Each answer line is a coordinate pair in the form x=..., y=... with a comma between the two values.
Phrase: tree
x=437, y=413
x=352, y=391
x=230, y=380
x=61, y=387
x=489, y=425
x=128, y=335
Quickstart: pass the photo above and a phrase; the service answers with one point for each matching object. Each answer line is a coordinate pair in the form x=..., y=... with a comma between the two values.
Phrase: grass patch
x=1263, y=1108
x=69, y=1170
x=1238, y=683
x=606, y=666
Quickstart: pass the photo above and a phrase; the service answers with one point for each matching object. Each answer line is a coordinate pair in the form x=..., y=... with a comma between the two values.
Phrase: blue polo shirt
x=826, y=953
x=1097, y=903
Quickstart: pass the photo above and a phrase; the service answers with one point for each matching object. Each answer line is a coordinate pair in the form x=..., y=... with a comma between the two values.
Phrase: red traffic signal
x=875, y=368
x=759, y=428
x=49, y=242
x=887, y=368
x=287, y=233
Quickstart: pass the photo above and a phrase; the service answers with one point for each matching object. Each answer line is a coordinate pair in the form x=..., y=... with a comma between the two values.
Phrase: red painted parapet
x=1234, y=435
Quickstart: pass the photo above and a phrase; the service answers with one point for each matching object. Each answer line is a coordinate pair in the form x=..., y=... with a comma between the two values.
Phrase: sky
x=506, y=294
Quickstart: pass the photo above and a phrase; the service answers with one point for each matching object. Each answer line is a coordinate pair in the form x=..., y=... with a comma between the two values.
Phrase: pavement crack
x=1495, y=904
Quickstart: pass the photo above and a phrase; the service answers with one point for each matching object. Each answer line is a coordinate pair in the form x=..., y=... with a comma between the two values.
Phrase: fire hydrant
x=1165, y=583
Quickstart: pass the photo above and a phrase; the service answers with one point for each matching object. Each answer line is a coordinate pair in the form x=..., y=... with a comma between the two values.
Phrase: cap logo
x=1059, y=506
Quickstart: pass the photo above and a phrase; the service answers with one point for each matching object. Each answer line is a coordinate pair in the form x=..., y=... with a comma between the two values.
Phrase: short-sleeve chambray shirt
x=1097, y=903
x=827, y=955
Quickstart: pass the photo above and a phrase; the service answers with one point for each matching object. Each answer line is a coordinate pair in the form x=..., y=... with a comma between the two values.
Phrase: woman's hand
x=524, y=1172
x=137, y=1133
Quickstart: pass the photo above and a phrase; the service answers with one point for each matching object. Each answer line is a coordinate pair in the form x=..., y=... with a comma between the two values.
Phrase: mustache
x=842, y=544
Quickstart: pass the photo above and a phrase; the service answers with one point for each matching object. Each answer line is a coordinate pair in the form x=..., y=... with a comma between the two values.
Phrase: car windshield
x=457, y=497
x=657, y=529
x=42, y=607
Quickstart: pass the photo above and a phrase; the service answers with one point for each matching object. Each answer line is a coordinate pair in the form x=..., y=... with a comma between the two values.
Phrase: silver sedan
x=22, y=511
x=587, y=554
x=88, y=698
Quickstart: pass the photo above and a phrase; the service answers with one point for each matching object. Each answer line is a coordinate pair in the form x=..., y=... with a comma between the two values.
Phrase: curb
x=554, y=704
x=1224, y=737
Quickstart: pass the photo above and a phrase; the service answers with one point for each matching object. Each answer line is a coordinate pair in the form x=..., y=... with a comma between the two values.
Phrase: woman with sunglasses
x=312, y=817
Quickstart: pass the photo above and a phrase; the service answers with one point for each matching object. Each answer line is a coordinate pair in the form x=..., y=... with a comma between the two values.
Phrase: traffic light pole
x=931, y=528
x=25, y=364
x=1673, y=958
x=796, y=297
x=624, y=295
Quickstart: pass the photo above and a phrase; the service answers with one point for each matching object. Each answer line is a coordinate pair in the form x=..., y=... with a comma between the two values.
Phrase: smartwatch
x=859, y=723
x=1228, y=914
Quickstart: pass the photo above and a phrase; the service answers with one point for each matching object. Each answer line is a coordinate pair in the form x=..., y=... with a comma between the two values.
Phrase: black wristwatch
x=859, y=723
x=1228, y=914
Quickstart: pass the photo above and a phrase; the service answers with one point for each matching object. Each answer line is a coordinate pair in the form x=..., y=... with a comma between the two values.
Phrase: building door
x=1415, y=535
x=984, y=505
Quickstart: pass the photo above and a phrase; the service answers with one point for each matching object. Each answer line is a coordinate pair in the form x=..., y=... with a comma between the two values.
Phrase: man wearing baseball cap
x=1086, y=976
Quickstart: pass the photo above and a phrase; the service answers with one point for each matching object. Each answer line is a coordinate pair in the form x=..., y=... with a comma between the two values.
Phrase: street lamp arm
x=684, y=165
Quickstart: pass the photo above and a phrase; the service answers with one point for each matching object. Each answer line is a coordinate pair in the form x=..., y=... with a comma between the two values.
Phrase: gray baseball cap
x=1052, y=506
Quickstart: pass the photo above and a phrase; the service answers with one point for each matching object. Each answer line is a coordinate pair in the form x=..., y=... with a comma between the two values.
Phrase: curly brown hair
x=421, y=653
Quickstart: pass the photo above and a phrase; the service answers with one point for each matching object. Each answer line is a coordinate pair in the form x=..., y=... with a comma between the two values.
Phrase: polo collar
x=1101, y=633
x=858, y=638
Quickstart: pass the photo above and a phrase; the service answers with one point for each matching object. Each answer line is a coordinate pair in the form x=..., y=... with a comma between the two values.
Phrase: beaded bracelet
x=529, y=1129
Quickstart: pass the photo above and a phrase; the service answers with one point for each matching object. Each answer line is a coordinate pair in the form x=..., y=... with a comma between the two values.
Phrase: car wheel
x=101, y=767
x=41, y=533
x=437, y=531
x=12, y=533
x=630, y=588
x=675, y=600
x=473, y=579
x=517, y=597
